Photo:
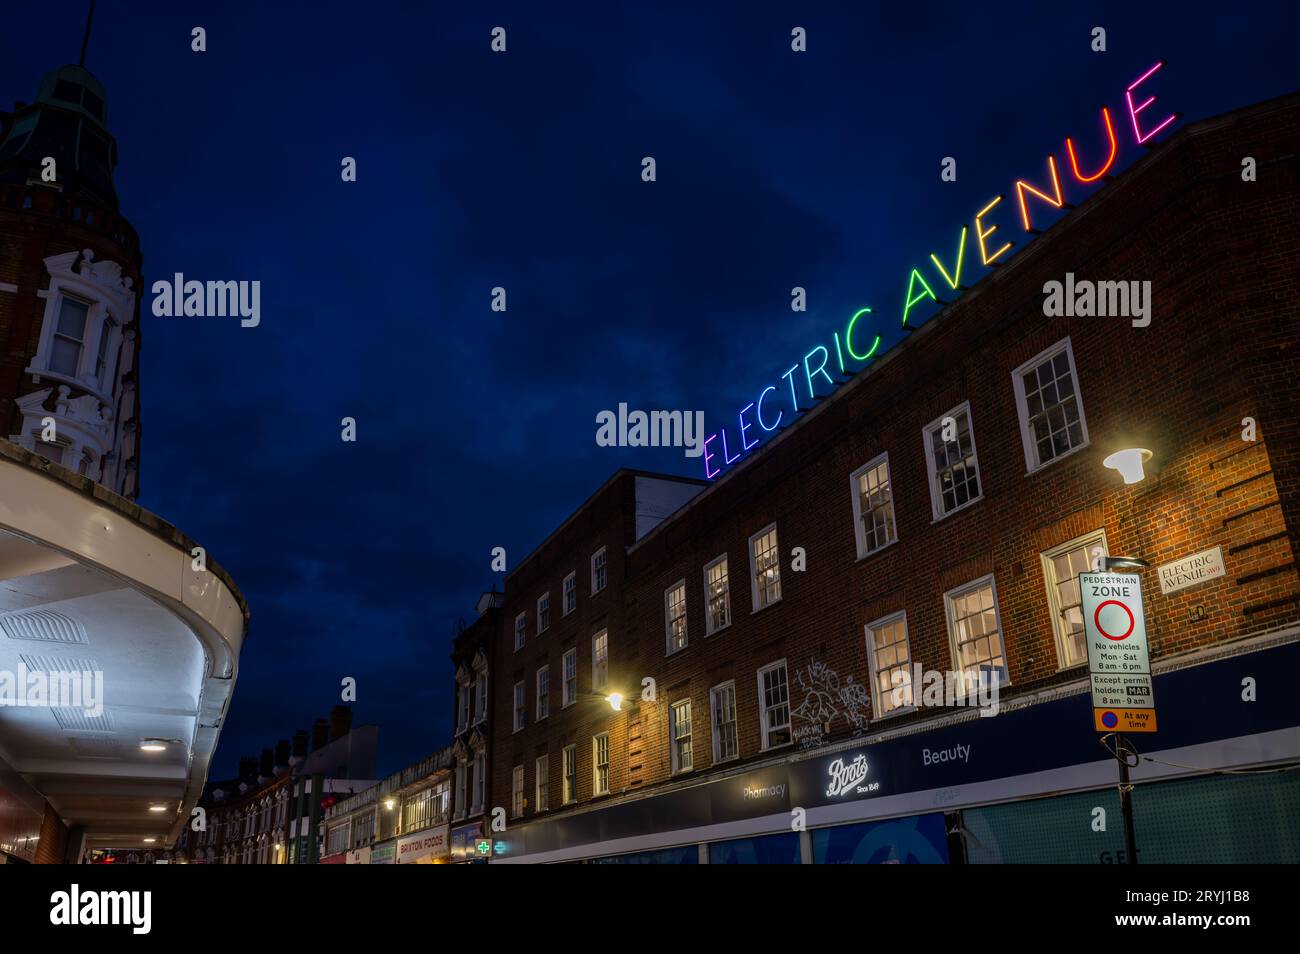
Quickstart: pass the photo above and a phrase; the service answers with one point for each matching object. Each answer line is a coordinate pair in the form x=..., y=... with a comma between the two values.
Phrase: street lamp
x=1129, y=463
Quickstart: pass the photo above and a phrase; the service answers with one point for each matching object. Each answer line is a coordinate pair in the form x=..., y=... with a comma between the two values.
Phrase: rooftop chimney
x=340, y=722
x=266, y=770
x=247, y=766
x=320, y=734
x=299, y=746
x=282, y=754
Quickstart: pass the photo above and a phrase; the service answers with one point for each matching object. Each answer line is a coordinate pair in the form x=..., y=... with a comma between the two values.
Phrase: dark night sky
x=476, y=429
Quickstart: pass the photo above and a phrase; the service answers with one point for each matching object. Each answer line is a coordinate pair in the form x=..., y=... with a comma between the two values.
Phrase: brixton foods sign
x=859, y=344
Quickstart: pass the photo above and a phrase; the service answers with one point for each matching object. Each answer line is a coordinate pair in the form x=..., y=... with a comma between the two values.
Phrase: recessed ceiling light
x=157, y=808
x=150, y=745
x=150, y=841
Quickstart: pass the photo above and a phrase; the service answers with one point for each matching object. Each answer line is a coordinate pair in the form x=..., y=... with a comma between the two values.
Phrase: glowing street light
x=615, y=701
x=1129, y=463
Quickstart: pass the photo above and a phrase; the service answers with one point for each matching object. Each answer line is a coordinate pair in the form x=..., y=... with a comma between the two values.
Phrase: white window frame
x=105, y=298
x=595, y=764
x=949, y=600
x=520, y=706
x=931, y=467
x=569, y=588
x=521, y=631
x=602, y=552
x=1090, y=540
x=673, y=741
x=1030, y=445
x=541, y=783
x=669, y=649
x=762, y=705
x=543, y=695
x=870, y=632
x=569, y=781
x=709, y=628
x=859, y=532
x=721, y=687
x=753, y=570
x=480, y=695
x=517, y=792
x=462, y=787
x=480, y=782
x=462, y=709
x=543, y=605
x=594, y=659
x=566, y=698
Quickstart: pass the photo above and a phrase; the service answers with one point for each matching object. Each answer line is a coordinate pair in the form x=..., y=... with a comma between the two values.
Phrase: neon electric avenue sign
x=858, y=345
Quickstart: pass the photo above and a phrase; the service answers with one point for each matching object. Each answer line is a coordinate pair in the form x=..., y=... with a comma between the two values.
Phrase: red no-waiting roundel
x=1096, y=619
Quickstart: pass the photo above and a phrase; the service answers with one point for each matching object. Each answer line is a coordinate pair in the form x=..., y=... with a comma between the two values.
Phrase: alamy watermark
x=937, y=688
x=194, y=299
x=63, y=689
x=651, y=429
x=1087, y=299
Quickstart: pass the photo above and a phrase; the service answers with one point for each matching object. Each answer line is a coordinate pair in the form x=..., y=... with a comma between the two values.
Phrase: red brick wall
x=1222, y=256
x=608, y=520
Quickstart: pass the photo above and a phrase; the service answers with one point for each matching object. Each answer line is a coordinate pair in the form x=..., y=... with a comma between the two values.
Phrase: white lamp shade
x=1129, y=463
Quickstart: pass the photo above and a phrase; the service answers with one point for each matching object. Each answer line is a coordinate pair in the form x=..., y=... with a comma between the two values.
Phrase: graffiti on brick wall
x=825, y=699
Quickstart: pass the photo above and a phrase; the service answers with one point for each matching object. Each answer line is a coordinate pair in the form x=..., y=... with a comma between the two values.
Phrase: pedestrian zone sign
x=1119, y=666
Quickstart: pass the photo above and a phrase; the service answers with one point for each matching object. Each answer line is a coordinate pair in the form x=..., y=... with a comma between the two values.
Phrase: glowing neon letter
x=1134, y=110
x=744, y=427
x=952, y=280
x=725, y=456
x=911, y=283
x=707, y=456
x=848, y=337
x=839, y=352
x=1114, y=147
x=1022, y=187
x=982, y=235
x=789, y=376
x=779, y=414
x=821, y=369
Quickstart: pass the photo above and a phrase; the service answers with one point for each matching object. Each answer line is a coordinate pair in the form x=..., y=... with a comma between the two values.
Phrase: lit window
x=891, y=664
x=521, y=713
x=675, y=617
x=722, y=700
x=543, y=613
x=600, y=660
x=765, y=568
x=542, y=768
x=774, y=700
x=570, y=593
x=521, y=625
x=975, y=629
x=517, y=791
x=1061, y=568
x=1051, y=415
x=873, y=506
x=569, y=690
x=598, y=575
x=717, y=596
x=569, y=788
x=679, y=727
x=543, y=692
x=950, y=456
x=600, y=763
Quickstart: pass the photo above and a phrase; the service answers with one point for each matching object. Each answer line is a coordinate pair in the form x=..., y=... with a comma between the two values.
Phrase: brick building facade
x=944, y=503
x=70, y=285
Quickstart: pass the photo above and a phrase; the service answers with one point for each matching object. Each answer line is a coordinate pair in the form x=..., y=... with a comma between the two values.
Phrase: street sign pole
x=1119, y=669
x=1126, y=800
